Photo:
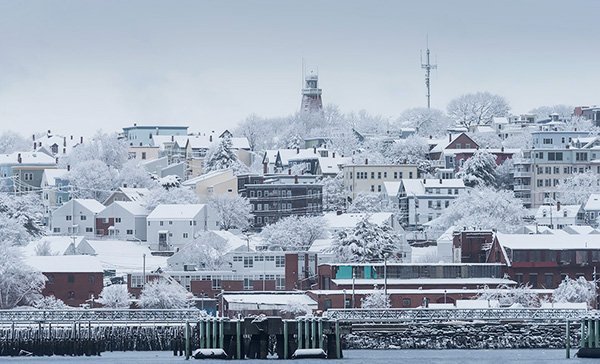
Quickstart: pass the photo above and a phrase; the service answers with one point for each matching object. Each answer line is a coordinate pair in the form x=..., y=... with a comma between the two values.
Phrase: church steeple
x=311, y=93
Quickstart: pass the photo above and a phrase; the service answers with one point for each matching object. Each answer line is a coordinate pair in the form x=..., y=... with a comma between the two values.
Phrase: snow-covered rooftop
x=90, y=204
x=580, y=229
x=593, y=202
x=391, y=188
x=549, y=241
x=263, y=300
x=418, y=186
x=546, y=211
x=58, y=245
x=27, y=158
x=135, y=194
x=330, y=165
x=203, y=177
x=176, y=212
x=65, y=264
x=426, y=281
x=122, y=256
x=134, y=208
x=51, y=174
x=320, y=245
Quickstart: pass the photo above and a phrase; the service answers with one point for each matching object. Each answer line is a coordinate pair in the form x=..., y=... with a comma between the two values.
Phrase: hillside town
x=473, y=206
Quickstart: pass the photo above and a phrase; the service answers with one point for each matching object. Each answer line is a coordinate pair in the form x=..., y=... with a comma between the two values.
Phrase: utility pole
x=427, y=66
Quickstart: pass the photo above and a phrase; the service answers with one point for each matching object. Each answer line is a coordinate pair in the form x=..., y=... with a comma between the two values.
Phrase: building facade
x=369, y=178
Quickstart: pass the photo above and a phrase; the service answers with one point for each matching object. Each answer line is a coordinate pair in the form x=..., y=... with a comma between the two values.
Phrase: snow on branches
x=115, y=296
x=477, y=109
x=20, y=218
x=233, y=211
x=162, y=294
x=479, y=170
x=334, y=198
x=175, y=195
x=484, y=208
x=376, y=299
x=205, y=253
x=578, y=188
x=222, y=156
x=294, y=232
x=19, y=283
x=367, y=242
x=522, y=296
x=575, y=290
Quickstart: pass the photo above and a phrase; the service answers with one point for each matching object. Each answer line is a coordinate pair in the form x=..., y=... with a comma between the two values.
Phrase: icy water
x=351, y=357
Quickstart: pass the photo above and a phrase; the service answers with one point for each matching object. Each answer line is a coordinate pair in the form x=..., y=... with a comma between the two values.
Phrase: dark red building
x=75, y=279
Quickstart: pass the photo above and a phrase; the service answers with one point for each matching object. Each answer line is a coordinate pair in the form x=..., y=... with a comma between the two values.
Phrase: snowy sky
x=76, y=66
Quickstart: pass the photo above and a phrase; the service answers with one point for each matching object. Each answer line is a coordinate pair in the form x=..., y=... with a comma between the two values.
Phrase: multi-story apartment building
x=555, y=156
x=365, y=178
x=273, y=198
x=143, y=135
x=22, y=172
x=422, y=200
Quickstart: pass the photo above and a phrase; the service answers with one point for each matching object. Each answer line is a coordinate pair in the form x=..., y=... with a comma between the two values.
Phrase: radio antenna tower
x=427, y=67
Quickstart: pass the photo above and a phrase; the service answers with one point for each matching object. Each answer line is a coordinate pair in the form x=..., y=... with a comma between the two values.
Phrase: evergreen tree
x=479, y=170
x=221, y=156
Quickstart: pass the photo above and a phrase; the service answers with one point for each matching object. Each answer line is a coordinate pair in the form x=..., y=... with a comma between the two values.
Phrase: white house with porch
x=123, y=221
x=170, y=227
x=76, y=217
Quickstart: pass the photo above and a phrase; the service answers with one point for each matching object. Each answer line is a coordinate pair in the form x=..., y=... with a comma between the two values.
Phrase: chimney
x=449, y=137
x=33, y=136
x=172, y=138
x=49, y=132
x=210, y=138
x=557, y=205
x=430, y=136
x=333, y=154
x=71, y=137
x=296, y=179
x=134, y=124
x=19, y=158
x=80, y=140
x=64, y=141
x=289, y=171
x=34, y=146
x=314, y=150
x=297, y=150
x=366, y=160
x=68, y=167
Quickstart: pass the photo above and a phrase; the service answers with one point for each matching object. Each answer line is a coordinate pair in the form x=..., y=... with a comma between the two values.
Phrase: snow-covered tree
x=162, y=294
x=376, y=299
x=479, y=170
x=296, y=309
x=133, y=174
x=368, y=202
x=522, y=296
x=43, y=248
x=427, y=122
x=477, y=109
x=115, y=296
x=412, y=150
x=333, y=193
x=294, y=232
x=170, y=181
x=181, y=195
x=205, y=253
x=12, y=232
x=26, y=210
x=486, y=139
x=484, y=208
x=11, y=142
x=233, y=211
x=578, y=188
x=367, y=242
x=504, y=175
x=50, y=303
x=222, y=156
x=575, y=290
x=107, y=148
x=93, y=179
x=543, y=112
x=19, y=283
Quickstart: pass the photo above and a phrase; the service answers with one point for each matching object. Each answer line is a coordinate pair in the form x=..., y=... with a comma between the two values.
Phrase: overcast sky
x=77, y=66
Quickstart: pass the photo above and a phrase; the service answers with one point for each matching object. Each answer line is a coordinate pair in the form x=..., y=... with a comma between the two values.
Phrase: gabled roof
x=444, y=145
x=330, y=165
x=417, y=187
x=58, y=245
x=51, y=174
x=209, y=175
x=89, y=204
x=27, y=158
x=135, y=208
x=135, y=194
x=593, y=202
x=350, y=220
x=65, y=264
x=122, y=256
x=546, y=211
x=176, y=212
x=391, y=188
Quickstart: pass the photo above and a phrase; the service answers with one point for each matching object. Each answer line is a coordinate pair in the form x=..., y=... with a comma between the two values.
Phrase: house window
x=247, y=284
x=161, y=223
x=92, y=279
x=70, y=278
x=548, y=280
x=279, y=262
x=216, y=283
x=170, y=222
x=117, y=219
x=89, y=230
x=185, y=235
x=136, y=281
x=410, y=175
x=279, y=283
x=69, y=217
x=143, y=155
x=71, y=295
x=56, y=230
x=372, y=175
x=130, y=232
x=248, y=262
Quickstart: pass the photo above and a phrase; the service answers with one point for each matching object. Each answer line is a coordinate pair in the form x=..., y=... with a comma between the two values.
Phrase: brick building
x=74, y=279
